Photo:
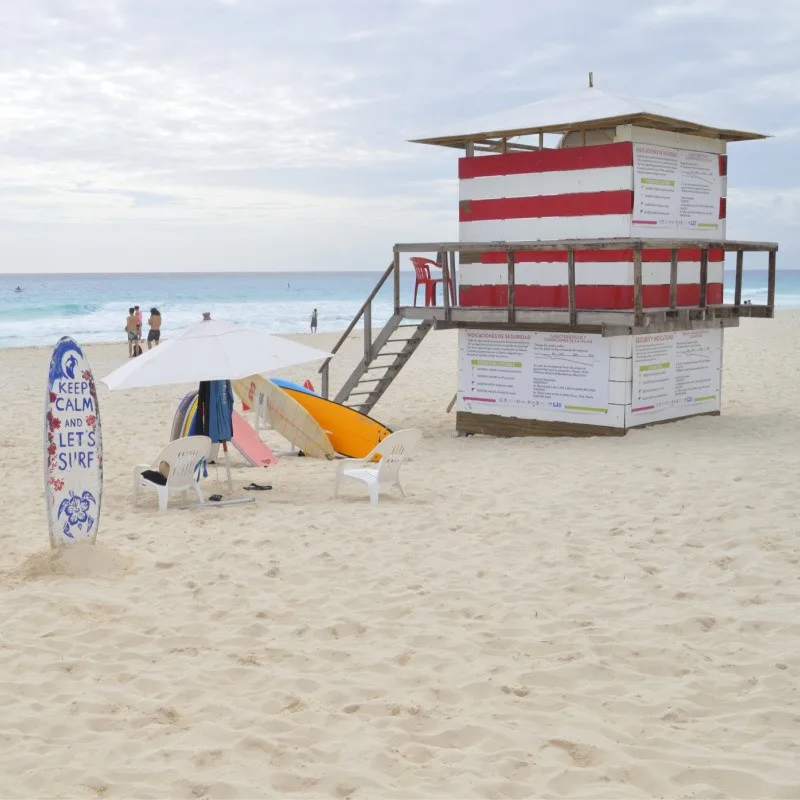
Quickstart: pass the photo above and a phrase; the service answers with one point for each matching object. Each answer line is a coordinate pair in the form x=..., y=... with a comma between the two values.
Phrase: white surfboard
x=286, y=416
x=73, y=448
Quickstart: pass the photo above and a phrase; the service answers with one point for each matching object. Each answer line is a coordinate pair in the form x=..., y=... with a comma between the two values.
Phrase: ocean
x=93, y=307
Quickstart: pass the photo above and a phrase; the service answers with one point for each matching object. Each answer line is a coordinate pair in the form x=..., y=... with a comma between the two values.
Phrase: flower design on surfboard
x=75, y=509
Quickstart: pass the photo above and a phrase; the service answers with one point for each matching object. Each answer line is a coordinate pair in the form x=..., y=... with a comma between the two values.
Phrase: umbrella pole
x=228, y=466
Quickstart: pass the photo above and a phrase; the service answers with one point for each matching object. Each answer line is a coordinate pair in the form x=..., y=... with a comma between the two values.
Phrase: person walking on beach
x=130, y=329
x=314, y=321
x=138, y=321
x=154, y=334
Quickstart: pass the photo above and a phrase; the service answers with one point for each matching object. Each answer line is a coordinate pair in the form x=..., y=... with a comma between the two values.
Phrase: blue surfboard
x=296, y=387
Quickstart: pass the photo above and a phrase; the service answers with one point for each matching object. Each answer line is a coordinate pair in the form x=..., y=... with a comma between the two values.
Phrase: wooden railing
x=364, y=312
x=446, y=252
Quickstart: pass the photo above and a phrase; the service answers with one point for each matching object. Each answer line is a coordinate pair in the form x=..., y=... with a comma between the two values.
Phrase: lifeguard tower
x=587, y=282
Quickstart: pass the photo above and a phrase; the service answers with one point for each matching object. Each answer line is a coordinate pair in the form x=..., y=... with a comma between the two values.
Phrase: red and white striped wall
x=603, y=279
x=572, y=193
x=575, y=193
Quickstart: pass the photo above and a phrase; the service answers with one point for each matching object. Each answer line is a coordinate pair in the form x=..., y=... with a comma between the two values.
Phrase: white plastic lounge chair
x=383, y=475
x=185, y=458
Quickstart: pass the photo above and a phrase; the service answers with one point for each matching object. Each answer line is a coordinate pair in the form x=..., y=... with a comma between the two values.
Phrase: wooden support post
x=637, y=285
x=673, y=280
x=446, y=284
x=703, y=276
x=512, y=282
x=737, y=298
x=396, y=276
x=453, y=276
x=325, y=379
x=771, y=280
x=470, y=148
x=573, y=312
x=368, y=334
x=541, y=141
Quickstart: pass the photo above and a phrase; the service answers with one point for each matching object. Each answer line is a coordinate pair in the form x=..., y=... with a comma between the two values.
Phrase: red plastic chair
x=422, y=267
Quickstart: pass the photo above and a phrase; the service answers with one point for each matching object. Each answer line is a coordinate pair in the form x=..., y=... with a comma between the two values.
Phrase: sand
x=601, y=618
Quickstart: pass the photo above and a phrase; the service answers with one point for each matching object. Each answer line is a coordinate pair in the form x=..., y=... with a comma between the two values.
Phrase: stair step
x=361, y=392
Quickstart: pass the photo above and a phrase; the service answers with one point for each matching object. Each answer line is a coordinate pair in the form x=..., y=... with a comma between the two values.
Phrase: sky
x=170, y=135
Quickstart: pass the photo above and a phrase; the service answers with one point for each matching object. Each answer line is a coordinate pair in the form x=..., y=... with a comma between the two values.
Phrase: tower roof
x=586, y=109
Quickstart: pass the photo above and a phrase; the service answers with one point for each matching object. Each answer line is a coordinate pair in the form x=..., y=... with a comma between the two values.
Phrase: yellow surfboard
x=352, y=433
x=286, y=416
x=190, y=415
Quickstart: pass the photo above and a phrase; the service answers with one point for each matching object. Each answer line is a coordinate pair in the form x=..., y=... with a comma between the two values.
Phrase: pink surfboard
x=249, y=444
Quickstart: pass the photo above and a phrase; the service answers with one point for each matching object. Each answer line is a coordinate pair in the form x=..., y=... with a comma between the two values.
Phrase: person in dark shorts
x=130, y=329
x=154, y=334
x=314, y=321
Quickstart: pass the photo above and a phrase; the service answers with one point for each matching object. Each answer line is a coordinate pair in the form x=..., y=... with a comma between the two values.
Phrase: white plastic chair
x=383, y=475
x=186, y=459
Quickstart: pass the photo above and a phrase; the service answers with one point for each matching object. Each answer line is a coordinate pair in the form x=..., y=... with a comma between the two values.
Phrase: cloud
x=213, y=117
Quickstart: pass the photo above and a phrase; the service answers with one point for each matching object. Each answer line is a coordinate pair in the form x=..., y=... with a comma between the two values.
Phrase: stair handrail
x=323, y=370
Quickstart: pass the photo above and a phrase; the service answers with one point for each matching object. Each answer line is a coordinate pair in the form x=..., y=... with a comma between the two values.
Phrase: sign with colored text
x=534, y=375
x=677, y=193
x=676, y=374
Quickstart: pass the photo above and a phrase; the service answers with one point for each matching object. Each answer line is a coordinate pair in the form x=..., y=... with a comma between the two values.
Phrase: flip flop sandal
x=257, y=487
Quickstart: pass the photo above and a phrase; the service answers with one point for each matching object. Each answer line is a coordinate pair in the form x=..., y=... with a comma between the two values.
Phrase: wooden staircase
x=383, y=358
x=393, y=346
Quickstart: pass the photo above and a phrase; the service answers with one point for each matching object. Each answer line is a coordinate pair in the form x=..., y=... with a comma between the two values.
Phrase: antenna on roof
x=591, y=80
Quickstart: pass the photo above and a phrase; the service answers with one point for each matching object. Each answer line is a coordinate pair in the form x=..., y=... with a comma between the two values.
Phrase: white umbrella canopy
x=208, y=351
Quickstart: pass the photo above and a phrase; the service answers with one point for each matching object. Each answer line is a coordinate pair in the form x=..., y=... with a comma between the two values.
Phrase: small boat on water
x=18, y=289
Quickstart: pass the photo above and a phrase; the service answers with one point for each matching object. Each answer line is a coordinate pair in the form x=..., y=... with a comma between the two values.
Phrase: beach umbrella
x=211, y=350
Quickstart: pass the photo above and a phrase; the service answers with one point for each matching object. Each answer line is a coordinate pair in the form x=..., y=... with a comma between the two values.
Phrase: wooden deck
x=610, y=323
x=637, y=320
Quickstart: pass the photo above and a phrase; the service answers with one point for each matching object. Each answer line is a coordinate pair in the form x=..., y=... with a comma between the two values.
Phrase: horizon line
x=204, y=272
x=271, y=272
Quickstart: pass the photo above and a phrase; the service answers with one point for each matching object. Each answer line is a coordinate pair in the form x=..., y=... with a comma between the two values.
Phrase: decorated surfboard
x=73, y=448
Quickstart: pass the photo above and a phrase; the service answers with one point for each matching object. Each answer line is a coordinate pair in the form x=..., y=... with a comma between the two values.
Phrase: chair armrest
x=140, y=468
x=349, y=463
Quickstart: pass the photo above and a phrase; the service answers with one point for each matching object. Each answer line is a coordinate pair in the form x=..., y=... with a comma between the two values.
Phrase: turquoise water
x=92, y=308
